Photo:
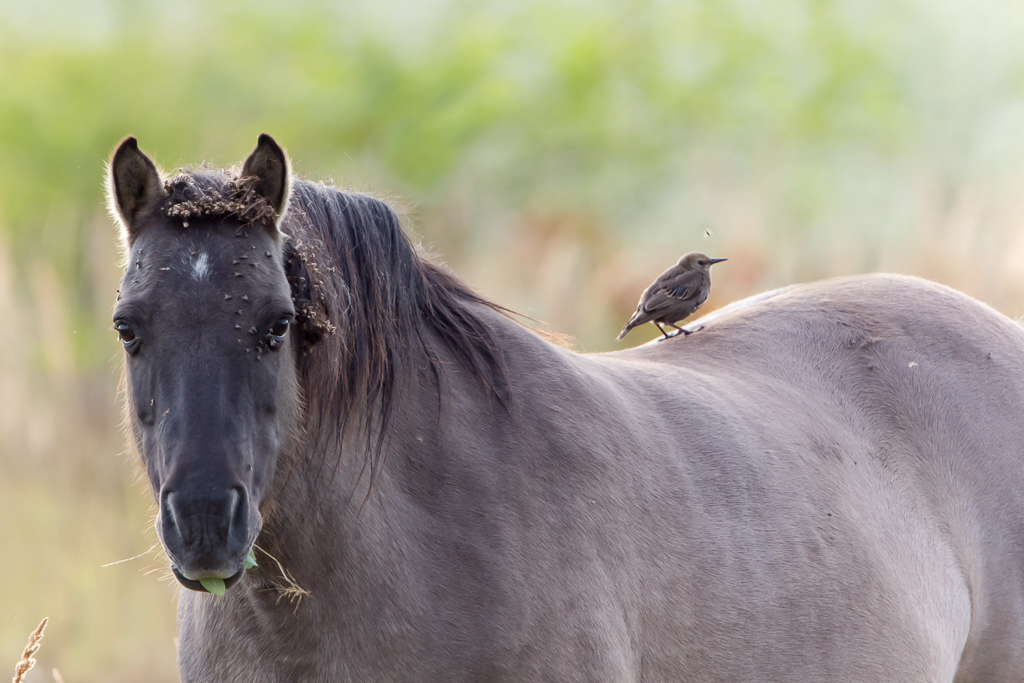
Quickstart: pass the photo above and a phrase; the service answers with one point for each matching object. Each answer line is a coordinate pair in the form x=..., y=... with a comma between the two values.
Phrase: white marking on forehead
x=201, y=266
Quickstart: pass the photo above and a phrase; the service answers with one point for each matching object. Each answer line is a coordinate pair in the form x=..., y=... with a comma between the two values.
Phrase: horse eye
x=128, y=336
x=280, y=328
x=277, y=333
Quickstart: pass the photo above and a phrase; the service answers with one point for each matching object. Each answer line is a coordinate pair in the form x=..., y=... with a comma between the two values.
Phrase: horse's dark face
x=204, y=315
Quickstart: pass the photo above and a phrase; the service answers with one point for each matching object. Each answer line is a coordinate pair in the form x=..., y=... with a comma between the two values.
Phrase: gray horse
x=824, y=484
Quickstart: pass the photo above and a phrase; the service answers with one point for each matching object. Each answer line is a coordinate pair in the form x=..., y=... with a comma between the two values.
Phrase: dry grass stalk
x=289, y=589
x=27, y=660
x=57, y=678
x=129, y=559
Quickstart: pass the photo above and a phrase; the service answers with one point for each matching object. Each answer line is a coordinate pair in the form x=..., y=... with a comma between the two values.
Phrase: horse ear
x=269, y=165
x=133, y=187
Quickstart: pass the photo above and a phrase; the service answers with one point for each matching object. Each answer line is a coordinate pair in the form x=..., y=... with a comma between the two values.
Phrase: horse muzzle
x=207, y=534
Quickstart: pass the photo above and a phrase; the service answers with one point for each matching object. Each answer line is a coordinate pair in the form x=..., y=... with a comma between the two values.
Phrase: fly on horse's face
x=204, y=315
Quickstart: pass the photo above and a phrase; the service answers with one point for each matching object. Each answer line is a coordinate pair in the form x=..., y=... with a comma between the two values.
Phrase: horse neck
x=346, y=491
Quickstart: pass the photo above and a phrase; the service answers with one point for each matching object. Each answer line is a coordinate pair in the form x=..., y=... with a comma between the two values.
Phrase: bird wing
x=681, y=287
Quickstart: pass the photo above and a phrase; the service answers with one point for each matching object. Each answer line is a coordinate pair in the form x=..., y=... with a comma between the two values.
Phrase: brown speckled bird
x=675, y=295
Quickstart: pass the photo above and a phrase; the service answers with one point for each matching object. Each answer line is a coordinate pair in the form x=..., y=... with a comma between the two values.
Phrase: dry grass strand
x=288, y=589
x=129, y=559
x=27, y=659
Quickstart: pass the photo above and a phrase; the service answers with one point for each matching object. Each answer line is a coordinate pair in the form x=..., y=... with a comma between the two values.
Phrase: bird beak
x=713, y=261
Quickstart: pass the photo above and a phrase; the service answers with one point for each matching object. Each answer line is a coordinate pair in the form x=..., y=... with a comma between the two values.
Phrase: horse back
x=823, y=484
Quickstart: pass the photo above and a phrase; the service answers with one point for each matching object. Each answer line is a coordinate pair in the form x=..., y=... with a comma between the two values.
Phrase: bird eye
x=700, y=262
x=129, y=338
x=278, y=332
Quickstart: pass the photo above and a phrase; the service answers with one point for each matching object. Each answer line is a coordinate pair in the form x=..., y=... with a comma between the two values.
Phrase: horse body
x=824, y=484
x=728, y=507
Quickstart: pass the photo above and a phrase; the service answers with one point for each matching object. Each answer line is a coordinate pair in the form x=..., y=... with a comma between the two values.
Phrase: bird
x=675, y=295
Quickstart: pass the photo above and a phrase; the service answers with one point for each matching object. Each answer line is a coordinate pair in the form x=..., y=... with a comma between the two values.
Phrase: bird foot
x=672, y=335
x=680, y=331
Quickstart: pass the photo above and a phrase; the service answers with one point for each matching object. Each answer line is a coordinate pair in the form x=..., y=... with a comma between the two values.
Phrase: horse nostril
x=238, y=514
x=235, y=497
x=168, y=508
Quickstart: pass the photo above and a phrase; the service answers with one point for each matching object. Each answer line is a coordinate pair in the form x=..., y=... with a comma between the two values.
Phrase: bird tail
x=633, y=322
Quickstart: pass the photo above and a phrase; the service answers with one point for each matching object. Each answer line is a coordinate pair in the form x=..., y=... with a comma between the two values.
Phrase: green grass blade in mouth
x=250, y=560
x=214, y=585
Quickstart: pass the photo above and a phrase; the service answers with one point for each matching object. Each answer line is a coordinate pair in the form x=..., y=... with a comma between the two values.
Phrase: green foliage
x=548, y=106
x=214, y=585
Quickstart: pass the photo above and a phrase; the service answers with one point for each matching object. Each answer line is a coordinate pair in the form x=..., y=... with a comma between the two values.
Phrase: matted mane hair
x=366, y=301
x=352, y=267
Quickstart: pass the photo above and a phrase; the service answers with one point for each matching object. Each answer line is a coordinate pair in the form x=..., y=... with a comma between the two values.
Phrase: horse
x=826, y=482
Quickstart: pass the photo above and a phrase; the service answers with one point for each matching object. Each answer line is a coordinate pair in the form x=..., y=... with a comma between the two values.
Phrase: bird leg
x=658, y=325
x=681, y=330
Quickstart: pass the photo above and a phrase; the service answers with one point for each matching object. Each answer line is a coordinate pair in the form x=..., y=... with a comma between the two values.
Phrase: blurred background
x=557, y=154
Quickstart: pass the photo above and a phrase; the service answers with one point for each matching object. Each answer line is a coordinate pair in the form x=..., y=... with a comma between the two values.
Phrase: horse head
x=207, y=320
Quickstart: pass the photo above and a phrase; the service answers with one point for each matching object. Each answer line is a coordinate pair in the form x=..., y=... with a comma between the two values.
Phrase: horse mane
x=351, y=265
x=366, y=300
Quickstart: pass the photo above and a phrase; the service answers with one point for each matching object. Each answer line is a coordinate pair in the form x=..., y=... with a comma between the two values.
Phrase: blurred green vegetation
x=553, y=152
x=571, y=109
